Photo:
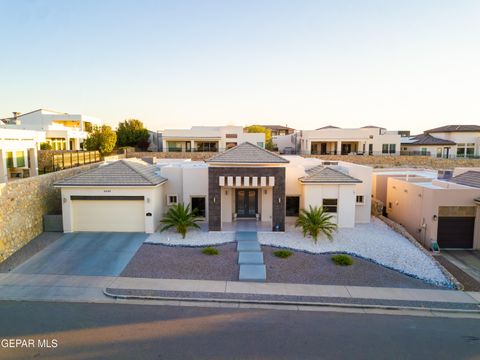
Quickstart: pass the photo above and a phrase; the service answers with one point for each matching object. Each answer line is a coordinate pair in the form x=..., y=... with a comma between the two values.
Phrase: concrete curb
x=291, y=303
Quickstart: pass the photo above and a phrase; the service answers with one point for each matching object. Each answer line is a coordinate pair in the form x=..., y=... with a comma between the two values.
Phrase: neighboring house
x=245, y=182
x=466, y=138
x=332, y=140
x=279, y=130
x=208, y=138
x=63, y=131
x=428, y=145
x=18, y=153
x=441, y=209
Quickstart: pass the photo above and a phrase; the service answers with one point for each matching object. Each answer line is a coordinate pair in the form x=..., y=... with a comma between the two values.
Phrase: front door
x=246, y=202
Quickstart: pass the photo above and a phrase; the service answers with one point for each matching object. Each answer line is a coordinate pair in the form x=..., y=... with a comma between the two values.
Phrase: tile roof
x=328, y=127
x=426, y=139
x=469, y=178
x=131, y=172
x=455, y=128
x=247, y=153
x=327, y=175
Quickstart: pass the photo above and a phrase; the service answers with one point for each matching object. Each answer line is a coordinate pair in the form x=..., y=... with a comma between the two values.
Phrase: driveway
x=467, y=260
x=85, y=253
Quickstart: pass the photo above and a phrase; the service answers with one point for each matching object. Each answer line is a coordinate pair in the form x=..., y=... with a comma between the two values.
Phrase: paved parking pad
x=85, y=253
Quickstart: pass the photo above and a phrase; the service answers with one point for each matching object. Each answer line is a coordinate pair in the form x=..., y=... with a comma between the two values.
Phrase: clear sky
x=409, y=64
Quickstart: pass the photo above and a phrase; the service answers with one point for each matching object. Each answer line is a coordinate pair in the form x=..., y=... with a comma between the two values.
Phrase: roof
x=277, y=127
x=131, y=172
x=247, y=153
x=426, y=139
x=371, y=127
x=328, y=127
x=327, y=175
x=455, y=128
x=469, y=178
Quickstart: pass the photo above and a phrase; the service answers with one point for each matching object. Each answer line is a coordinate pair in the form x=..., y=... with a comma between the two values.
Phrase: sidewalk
x=93, y=289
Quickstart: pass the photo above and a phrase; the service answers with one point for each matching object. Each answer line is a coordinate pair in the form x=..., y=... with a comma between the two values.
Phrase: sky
x=411, y=64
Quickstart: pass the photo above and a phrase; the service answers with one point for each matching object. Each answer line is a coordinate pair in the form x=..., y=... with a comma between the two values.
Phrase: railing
x=67, y=159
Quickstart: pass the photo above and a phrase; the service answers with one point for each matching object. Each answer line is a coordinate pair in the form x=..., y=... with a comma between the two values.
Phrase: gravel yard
x=195, y=237
x=175, y=262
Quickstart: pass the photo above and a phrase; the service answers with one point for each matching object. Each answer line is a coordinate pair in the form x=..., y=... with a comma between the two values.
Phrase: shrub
x=181, y=218
x=45, y=146
x=342, y=260
x=282, y=253
x=210, y=251
x=314, y=221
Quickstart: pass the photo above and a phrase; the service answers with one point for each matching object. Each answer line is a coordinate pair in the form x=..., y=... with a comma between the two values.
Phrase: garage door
x=124, y=214
x=455, y=232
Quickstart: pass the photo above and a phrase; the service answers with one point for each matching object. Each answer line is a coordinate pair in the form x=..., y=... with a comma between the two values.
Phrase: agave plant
x=181, y=218
x=314, y=221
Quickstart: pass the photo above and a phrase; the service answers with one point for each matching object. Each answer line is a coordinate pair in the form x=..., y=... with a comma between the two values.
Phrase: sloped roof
x=426, y=139
x=327, y=175
x=277, y=127
x=131, y=172
x=455, y=128
x=247, y=153
x=469, y=178
x=328, y=127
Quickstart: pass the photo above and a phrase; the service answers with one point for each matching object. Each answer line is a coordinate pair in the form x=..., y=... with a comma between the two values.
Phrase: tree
x=262, y=129
x=181, y=218
x=45, y=146
x=102, y=138
x=316, y=220
x=132, y=133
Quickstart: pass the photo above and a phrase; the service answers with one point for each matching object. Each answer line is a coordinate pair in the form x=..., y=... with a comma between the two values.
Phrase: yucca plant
x=314, y=221
x=181, y=218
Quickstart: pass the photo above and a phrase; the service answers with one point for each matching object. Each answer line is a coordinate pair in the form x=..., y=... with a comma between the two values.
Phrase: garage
x=455, y=232
x=108, y=213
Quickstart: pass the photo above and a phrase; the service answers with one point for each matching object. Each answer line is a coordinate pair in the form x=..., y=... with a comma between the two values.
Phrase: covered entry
x=246, y=203
x=108, y=213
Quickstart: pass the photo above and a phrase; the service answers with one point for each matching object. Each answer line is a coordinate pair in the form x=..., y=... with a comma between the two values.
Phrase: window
x=174, y=146
x=293, y=205
x=360, y=199
x=20, y=158
x=393, y=148
x=260, y=144
x=207, y=146
x=424, y=151
x=9, y=159
x=231, y=136
x=198, y=205
x=385, y=149
x=230, y=145
x=330, y=205
x=172, y=199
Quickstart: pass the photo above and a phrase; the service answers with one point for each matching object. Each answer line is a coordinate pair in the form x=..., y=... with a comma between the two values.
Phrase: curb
x=291, y=303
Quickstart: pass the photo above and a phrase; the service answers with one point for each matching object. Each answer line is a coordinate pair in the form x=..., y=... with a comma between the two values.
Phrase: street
x=90, y=331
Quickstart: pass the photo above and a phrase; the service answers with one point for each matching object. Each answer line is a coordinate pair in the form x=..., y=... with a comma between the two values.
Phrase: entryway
x=246, y=203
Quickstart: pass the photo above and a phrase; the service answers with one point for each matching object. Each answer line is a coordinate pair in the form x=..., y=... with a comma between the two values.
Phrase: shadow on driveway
x=85, y=253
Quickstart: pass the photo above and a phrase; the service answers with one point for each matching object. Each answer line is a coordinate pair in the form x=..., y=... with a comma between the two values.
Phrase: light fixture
x=434, y=217
x=214, y=199
x=64, y=200
x=226, y=192
x=265, y=191
x=279, y=200
x=148, y=200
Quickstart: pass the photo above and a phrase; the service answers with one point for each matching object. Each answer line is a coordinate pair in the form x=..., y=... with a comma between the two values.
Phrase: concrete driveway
x=467, y=260
x=85, y=253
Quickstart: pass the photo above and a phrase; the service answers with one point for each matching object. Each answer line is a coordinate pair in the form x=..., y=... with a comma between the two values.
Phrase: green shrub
x=210, y=251
x=342, y=260
x=282, y=253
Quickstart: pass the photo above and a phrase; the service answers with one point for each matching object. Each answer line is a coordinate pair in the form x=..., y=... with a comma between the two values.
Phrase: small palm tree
x=316, y=220
x=181, y=218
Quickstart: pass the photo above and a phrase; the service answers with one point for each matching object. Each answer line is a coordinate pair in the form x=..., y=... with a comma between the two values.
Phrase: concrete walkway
x=14, y=286
x=250, y=257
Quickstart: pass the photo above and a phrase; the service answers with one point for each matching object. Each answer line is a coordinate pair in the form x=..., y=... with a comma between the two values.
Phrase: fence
x=50, y=161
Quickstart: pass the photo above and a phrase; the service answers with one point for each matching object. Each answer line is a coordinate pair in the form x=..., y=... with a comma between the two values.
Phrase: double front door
x=246, y=202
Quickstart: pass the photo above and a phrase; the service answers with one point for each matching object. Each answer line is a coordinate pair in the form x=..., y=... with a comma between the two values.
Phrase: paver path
x=250, y=257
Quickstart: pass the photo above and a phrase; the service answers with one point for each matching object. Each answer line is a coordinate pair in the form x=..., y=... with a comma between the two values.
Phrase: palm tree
x=316, y=220
x=181, y=218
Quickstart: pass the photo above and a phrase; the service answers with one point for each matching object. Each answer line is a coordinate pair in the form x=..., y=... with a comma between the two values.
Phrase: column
x=3, y=167
x=33, y=161
x=339, y=148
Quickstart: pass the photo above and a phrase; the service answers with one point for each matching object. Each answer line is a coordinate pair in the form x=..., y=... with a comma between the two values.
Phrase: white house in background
x=63, y=131
x=18, y=153
x=208, y=138
x=466, y=138
x=441, y=208
x=428, y=145
x=332, y=140
x=243, y=183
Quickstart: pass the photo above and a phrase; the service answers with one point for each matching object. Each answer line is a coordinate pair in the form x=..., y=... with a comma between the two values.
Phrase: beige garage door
x=108, y=215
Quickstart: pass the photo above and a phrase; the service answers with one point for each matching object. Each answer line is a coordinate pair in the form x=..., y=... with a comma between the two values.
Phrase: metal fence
x=69, y=159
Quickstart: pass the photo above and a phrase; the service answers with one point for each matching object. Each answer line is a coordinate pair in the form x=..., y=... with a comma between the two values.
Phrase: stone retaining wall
x=24, y=202
x=375, y=161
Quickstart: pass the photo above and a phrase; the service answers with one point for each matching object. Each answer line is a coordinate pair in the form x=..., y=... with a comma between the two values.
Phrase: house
x=243, y=183
x=434, y=208
x=279, y=130
x=428, y=145
x=18, y=153
x=332, y=140
x=207, y=138
x=63, y=131
x=466, y=138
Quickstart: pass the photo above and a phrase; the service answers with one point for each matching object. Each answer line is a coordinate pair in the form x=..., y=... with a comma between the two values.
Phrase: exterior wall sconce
x=226, y=192
x=148, y=200
x=214, y=199
x=64, y=200
x=265, y=191
x=279, y=200
x=435, y=217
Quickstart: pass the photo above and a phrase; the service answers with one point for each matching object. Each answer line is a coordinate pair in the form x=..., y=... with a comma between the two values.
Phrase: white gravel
x=375, y=241
x=195, y=237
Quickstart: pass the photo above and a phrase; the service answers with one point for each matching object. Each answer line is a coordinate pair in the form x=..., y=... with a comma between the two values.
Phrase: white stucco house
x=18, y=153
x=244, y=183
x=207, y=138
x=63, y=131
x=466, y=138
x=428, y=145
x=332, y=140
